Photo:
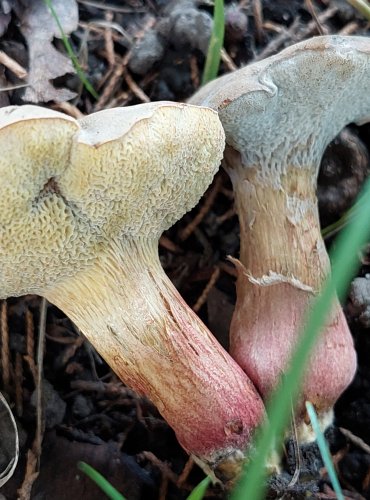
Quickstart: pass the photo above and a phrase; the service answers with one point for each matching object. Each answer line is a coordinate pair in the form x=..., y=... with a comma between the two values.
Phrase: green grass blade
x=324, y=450
x=362, y=6
x=200, y=490
x=344, y=265
x=215, y=44
x=100, y=480
x=339, y=224
x=70, y=52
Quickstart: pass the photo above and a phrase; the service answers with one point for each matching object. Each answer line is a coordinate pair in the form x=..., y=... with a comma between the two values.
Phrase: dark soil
x=157, y=53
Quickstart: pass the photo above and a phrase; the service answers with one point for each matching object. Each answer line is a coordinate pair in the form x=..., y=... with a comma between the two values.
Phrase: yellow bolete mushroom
x=279, y=115
x=82, y=205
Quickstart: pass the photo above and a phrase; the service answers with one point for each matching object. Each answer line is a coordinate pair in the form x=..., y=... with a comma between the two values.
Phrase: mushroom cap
x=70, y=187
x=284, y=110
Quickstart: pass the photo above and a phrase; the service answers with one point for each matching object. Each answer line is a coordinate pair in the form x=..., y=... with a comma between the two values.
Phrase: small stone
x=146, y=53
x=82, y=407
x=54, y=406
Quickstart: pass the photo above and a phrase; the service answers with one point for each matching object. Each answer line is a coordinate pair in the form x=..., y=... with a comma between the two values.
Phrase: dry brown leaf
x=45, y=62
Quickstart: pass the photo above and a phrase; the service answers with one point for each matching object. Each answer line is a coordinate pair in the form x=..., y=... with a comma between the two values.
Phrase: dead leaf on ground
x=45, y=61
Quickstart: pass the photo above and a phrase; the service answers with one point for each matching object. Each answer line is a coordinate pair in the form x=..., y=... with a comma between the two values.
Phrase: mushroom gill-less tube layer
x=279, y=115
x=82, y=205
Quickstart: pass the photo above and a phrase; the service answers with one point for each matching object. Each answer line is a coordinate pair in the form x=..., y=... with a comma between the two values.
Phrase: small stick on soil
x=258, y=19
x=30, y=346
x=169, y=245
x=275, y=28
x=194, y=72
x=211, y=283
x=350, y=28
x=162, y=466
x=113, y=81
x=366, y=481
x=297, y=452
x=311, y=10
x=278, y=41
x=224, y=266
x=357, y=441
x=108, y=39
x=34, y=454
x=134, y=87
x=210, y=198
x=295, y=33
x=24, y=493
x=114, y=8
x=163, y=488
x=226, y=59
x=5, y=353
x=312, y=26
x=71, y=350
x=68, y=109
x=18, y=379
x=185, y=472
x=226, y=216
x=13, y=66
x=40, y=421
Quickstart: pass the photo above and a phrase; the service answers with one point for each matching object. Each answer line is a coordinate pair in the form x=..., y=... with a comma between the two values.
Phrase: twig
x=162, y=466
x=226, y=216
x=228, y=62
x=169, y=245
x=312, y=11
x=134, y=87
x=258, y=20
x=5, y=353
x=114, y=8
x=357, y=441
x=211, y=283
x=185, y=472
x=13, y=65
x=112, y=82
x=295, y=33
x=349, y=28
x=163, y=488
x=68, y=109
x=34, y=454
x=194, y=72
x=210, y=198
x=40, y=421
x=18, y=384
x=297, y=453
x=30, y=346
x=108, y=39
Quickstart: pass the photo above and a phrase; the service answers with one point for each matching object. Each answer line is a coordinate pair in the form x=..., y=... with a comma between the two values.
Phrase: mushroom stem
x=280, y=234
x=82, y=206
x=129, y=310
x=282, y=264
x=279, y=115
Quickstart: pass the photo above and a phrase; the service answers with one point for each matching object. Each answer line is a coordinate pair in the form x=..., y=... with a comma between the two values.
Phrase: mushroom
x=82, y=204
x=279, y=115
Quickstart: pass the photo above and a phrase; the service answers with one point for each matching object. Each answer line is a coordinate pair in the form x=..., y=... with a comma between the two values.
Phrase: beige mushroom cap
x=284, y=110
x=69, y=187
